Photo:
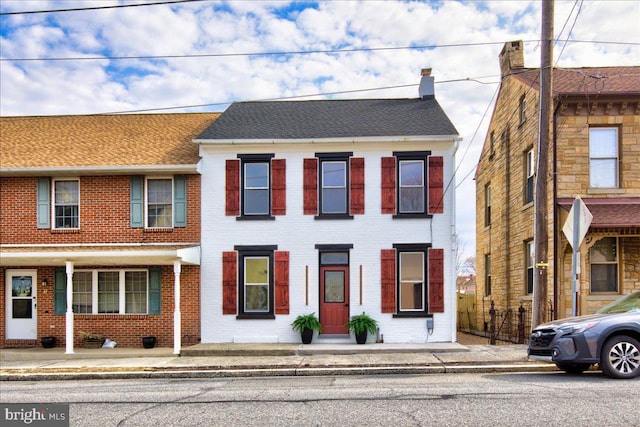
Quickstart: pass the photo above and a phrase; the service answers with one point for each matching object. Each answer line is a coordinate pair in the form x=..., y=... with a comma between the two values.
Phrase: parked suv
x=610, y=338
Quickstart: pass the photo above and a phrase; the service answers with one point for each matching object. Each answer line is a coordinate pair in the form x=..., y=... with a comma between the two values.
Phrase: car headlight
x=579, y=328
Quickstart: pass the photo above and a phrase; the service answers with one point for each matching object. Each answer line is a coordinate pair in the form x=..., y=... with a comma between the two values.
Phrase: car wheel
x=620, y=357
x=573, y=368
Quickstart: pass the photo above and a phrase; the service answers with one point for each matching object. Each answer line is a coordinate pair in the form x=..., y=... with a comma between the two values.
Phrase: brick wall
x=104, y=219
x=104, y=214
x=125, y=330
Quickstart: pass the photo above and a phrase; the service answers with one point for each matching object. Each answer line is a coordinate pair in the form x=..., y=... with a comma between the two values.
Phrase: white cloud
x=74, y=87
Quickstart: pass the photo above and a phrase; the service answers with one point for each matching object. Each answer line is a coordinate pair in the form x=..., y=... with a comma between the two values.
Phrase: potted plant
x=306, y=324
x=48, y=342
x=91, y=340
x=149, y=342
x=361, y=325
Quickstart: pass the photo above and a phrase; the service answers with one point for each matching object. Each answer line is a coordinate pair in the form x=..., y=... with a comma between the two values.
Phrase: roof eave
x=100, y=170
x=350, y=140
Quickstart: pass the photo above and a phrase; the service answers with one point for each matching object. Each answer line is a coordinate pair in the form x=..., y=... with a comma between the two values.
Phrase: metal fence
x=500, y=325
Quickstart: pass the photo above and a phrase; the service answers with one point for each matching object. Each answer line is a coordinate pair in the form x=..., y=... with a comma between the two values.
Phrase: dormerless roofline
x=100, y=170
x=385, y=139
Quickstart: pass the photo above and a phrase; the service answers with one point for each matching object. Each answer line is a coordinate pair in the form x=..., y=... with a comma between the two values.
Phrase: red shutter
x=388, y=196
x=229, y=282
x=282, y=282
x=436, y=280
x=310, y=186
x=388, y=280
x=436, y=184
x=232, y=207
x=278, y=187
x=357, y=185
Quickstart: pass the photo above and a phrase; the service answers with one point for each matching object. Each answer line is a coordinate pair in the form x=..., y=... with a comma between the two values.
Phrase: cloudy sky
x=202, y=55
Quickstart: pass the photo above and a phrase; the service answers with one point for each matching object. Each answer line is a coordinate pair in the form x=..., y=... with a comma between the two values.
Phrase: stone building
x=594, y=154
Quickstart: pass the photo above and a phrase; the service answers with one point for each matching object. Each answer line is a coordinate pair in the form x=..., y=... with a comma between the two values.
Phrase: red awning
x=610, y=212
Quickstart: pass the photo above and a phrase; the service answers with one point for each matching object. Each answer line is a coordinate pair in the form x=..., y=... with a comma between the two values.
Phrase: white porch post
x=69, y=313
x=177, y=326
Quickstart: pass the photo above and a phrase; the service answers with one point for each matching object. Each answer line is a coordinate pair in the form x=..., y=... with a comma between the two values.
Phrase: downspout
x=556, y=237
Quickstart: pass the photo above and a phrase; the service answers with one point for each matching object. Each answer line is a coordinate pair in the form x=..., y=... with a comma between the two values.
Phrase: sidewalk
x=235, y=360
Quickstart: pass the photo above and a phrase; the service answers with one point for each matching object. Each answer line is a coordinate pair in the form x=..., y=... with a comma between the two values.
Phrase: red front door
x=334, y=299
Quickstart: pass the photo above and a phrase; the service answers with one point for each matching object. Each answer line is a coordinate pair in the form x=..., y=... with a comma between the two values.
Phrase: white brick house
x=336, y=207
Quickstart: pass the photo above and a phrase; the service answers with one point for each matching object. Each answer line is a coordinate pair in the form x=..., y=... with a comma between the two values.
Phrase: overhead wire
x=118, y=6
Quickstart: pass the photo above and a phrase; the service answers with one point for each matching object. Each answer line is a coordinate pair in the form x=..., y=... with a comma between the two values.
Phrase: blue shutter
x=44, y=203
x=180, y=201
x=155, y=283
x=137, y=202
x=60, y=291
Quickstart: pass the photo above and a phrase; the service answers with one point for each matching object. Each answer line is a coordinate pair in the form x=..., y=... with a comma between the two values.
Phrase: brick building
x=100, y=228
x=332, y=207
x=594, y=154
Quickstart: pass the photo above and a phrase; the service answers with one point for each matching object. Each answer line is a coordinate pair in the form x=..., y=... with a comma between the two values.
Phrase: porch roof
x=621, y=212
x=102, y=255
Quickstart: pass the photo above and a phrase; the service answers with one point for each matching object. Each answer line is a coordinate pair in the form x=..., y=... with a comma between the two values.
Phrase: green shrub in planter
x=306, y=324
x=361, y=325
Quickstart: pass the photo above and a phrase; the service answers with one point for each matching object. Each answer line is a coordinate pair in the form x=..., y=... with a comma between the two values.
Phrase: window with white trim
x=487, y=205
x=529, y=254
x=603, y=258
x=256, y=274
x=487, y=275
x=603, y=157
x=412, y=193
x=412, y=281
x=522, y=110
x=529, y=176
x=66, y=203
x=110, y=292
x=159, y=202
x=333, y=178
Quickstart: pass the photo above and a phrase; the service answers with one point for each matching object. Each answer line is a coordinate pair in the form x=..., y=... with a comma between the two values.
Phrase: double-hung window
x=487, y=274
x=255, y=187
x=604, y=265
x=255, y=195
x=110, y=292
x=529, y=176
x=529, y=254
x=603, y=157
x=334, y=188
x=66, y=203
x=522, y=110
x=256, y=282
x=412, y=186
x=487, y=205
x=412, y=281
x=159, y=202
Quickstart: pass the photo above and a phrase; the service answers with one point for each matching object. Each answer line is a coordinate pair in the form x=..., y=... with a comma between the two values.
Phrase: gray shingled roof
x=330, y=119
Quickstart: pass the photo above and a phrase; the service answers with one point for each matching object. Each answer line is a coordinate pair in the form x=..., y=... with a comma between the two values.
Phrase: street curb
x=153, y=373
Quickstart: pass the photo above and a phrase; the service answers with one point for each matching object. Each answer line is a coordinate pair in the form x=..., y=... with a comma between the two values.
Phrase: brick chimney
x=511, y=57
x=426, y=90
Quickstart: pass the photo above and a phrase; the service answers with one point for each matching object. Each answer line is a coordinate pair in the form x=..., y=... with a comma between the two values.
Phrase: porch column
x=177, y=326
x=69, y=313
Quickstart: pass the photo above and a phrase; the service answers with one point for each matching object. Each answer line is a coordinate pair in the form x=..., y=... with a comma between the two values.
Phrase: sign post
x=574, y=229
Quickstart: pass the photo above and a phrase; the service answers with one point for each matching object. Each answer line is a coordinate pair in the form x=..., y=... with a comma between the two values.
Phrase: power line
x=216, y=55
x=313, y=95
x=301, y=52
x=29, y=12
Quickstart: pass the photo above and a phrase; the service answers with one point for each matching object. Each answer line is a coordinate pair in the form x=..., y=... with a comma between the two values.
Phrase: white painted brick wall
x=298, y=234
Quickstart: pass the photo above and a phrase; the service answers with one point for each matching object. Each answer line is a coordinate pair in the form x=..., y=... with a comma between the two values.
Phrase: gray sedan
x=609, y=338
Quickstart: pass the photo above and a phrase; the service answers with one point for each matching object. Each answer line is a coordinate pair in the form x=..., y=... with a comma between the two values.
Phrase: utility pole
x=541, y=235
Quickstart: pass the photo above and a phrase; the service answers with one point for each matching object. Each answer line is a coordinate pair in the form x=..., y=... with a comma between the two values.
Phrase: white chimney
x=426, y=90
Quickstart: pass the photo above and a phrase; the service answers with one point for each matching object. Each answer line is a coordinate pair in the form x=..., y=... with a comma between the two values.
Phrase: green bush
x=306, y=321
x=362, y=322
